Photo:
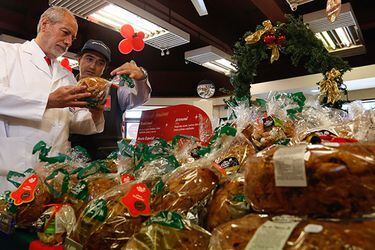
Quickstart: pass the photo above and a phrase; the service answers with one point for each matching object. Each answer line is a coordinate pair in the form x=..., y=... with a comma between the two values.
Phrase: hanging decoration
x=132, y=41
x=271, y=37
x=333, y=9
x=328, y=86
x=65, y=63
x=296, y=40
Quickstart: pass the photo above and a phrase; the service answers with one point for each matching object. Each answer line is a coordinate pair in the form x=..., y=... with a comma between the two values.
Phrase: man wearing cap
x=36, y=94
x=93, y=59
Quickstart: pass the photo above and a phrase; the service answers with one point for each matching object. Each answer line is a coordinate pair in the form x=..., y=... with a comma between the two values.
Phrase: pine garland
x=300, y=44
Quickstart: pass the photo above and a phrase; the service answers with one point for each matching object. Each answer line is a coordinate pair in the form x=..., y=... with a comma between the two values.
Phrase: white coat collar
x=37, y=58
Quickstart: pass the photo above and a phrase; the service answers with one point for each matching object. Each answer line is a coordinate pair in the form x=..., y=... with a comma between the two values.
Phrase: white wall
x=360, y=82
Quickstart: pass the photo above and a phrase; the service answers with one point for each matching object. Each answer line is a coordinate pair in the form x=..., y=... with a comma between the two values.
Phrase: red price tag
x=137, y=200
x=25, y=192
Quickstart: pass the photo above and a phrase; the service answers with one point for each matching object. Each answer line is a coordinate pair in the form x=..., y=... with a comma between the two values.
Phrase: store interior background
x=174, y=81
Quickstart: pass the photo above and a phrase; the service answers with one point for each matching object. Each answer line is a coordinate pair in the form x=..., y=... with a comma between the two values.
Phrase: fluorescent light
x=212, y=58
x=115, y=17
x=329, y=40
x=343, y=37
x=200, y=7
x=216, y=68
x=320, y=37
x=225, y=63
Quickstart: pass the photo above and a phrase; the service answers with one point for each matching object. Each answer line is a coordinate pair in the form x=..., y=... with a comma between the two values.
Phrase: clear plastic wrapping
x=168, y=230
x=228, y=202
x=112, y=218
x=307, y=234
x=234, y=157
x=55, y=223
x=340, y=181
x=186, y=190
x=98, y=87
x=90, y=188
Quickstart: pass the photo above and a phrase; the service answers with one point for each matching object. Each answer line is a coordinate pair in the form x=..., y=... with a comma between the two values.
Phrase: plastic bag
x=168, y=230
x=90, y=188
x=228, y=202
x=98, y=87
x=111, y=219
x=269, y=130
x=306, y=234
x=27, y=201
x=55, y=223
x=186, y=190
x=236, y=154
x=316, y=180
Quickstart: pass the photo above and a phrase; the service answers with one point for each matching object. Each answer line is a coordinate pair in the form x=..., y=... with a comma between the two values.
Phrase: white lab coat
x=26, y=81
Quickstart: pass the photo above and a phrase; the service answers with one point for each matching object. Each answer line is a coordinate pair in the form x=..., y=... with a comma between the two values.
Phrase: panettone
x=170, y=232
x=185, y=188
x=97, y=87
x=228, y=202
x=340, y=182
x=111, y=219
x=307, y=234
x=90, y=188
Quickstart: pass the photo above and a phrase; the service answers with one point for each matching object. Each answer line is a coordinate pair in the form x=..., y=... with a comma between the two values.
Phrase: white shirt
x=25, y=84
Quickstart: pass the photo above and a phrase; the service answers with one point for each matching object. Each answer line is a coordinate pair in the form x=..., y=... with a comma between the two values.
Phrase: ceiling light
x=200, y=7
x=342, y=37
x=115, y=13
x=212, y=58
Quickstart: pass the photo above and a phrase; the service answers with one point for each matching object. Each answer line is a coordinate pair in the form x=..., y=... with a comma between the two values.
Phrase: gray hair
x=55, y=14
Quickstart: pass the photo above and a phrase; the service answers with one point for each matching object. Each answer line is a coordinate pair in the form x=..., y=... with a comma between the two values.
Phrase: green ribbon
x=43, y=150
x=15, y=177
x=94, y=167
x=159, y=186
x=125, y=149
x=80, y=191
x=112, y=156
x=169, y=219
x=126, y=79
x=64, y=186
x=145, y=153
x=219, y=131
x=298, y=98
x=97, y=210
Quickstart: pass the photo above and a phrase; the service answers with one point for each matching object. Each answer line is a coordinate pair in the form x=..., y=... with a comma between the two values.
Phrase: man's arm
x=132, y=97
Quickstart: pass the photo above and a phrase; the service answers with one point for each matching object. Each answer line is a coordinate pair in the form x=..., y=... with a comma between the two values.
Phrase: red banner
x=167, y=122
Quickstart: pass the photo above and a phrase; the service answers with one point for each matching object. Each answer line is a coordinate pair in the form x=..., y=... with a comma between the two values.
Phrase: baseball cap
x=98, y=46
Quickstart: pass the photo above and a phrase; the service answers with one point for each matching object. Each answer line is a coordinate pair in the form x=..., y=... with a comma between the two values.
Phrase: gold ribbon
x=257, y=35
x=275, y=52
x=329, y=88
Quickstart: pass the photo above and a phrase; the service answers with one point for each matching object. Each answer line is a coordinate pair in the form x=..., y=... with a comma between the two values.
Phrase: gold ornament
x=333, y=9
x=329, y=88
x=257, y=35
x=275, y=52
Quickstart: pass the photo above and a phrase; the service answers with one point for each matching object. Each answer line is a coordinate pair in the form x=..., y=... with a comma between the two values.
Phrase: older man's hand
x=68, y=96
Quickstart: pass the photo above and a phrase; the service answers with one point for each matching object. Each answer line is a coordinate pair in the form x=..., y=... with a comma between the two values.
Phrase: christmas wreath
x=293, y=38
